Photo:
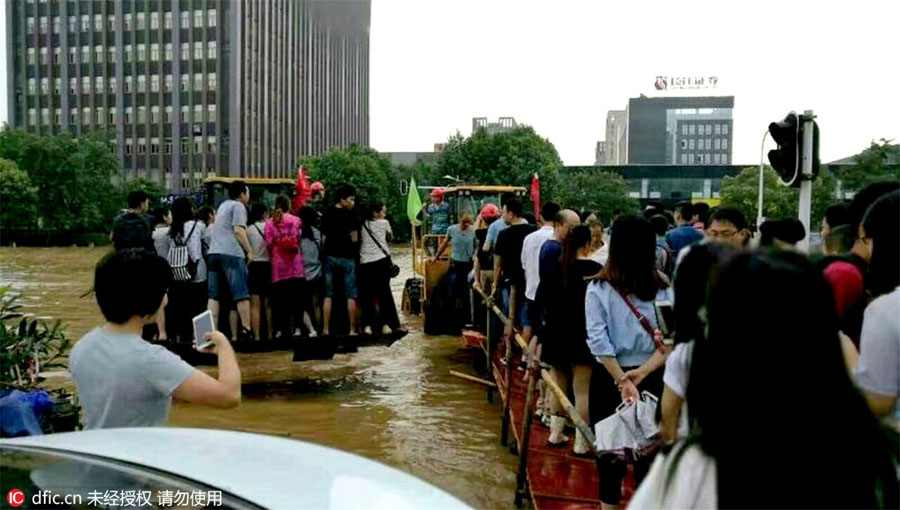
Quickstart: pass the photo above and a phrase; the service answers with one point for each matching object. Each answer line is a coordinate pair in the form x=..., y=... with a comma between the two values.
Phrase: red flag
x=302, y=191
x=536, y=195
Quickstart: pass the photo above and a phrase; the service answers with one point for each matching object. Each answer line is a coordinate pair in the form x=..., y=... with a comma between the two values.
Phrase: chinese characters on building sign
x=686, y=82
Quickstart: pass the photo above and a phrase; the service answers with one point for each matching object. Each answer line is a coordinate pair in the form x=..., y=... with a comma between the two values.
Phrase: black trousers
x=458, y=291
x=604, y=398
x=375, y=297
x=289, y=300
x=186, y=301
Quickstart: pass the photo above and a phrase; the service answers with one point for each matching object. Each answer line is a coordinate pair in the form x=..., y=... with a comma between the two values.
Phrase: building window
x=724, y=129
x=167, y=20
x=112, y=84
x=198, y=113
x=685, y=159
x=185, y=19
x=691, y=129
x=85, y=54
x=185, y=146
x=211, y=144
x=73, y=85
x=707, y=158
x=167, y=146
x=154, y=83
x=111, y=55
x=684, y=129
x=85, y=22
x=128, y=84
x=169, y=52
x=112, y=115
x=198, y=144
x=128, y=146
x=141, y=145
x=724, y=144
x=198, y=19
x=154, y=145
x=141, y=52
x=141, y=83
x=57, y=116
x=73, y=116
x=45, y=85
x=708, y=143
x=98, y=22
x=154, y=20
x=141, y=21
x=73, y=55
x=128, y=53
x=198, y=51
x=185, y=82
x=691, y=144
x=86, y=116
x=211, y=113
x=211, y=54
x=45, y=116
x=98, y=84
x=211, y=81
x=185, y=51
x=85, y=84
x=154, y=52
x=98, y=54
x=29, y=28
x=42, y=25
x=32, y=56
x=154, y=114
x=111, y=23
x=142, y=114
x=57, y=85
x=32, y=116
x=100, y=116
x=56, y=53
x=718, y=129
x=129, y=114
x=198, y=82
x=185, y=114
x=168, y=115
x=56, y=26
x=129, y=21
x=45, y=56
x=717, y=144
x=211, y=18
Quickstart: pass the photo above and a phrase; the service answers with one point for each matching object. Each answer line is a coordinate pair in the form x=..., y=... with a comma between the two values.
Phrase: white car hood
x=272, y=472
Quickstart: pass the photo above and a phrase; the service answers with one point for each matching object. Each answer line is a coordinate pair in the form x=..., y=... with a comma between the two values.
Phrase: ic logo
x=661, y=83
x=15, y=497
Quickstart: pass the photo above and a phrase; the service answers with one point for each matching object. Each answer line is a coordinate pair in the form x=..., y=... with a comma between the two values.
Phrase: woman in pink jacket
x=288, y=275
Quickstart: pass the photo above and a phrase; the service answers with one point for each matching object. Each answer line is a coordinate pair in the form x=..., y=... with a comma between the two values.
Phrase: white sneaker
x=313, y=334
x=545, y=419
x=557, y=425
x=581, y=443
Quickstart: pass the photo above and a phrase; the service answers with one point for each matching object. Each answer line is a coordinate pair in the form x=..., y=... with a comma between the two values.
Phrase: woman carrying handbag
x=375, y=272
x=288, y=273
x=623, y=336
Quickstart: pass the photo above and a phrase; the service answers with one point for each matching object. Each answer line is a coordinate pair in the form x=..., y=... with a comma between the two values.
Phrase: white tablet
x=203, y=324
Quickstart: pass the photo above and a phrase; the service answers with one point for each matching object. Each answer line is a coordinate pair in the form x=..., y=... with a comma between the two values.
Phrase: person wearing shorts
x=260, y=272
x=340, y=235
x=229, y=253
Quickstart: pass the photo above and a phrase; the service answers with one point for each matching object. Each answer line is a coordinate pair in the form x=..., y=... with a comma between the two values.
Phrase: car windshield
x=41, y=478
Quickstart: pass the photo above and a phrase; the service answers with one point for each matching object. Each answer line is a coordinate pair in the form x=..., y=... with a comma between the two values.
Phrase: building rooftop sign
x=686, y=82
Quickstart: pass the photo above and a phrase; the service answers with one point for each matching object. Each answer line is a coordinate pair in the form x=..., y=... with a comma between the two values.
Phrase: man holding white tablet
x=124, y=381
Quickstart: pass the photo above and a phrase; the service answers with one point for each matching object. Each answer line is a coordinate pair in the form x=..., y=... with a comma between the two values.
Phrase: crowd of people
x=272, y=273
x=743, y=303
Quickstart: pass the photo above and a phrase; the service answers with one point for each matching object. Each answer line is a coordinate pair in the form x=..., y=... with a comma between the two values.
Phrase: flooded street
x=398, y=405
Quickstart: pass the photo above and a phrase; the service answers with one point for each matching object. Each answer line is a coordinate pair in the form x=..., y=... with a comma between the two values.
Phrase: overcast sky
x=560, y=65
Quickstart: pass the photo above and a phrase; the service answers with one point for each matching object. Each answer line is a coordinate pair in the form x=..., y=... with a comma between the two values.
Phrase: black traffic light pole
x=806, y=171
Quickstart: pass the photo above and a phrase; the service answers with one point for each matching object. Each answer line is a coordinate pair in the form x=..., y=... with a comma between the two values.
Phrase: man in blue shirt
x=684, y=234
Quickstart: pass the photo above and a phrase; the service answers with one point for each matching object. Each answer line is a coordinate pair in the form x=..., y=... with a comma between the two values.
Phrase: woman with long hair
x=622, y=335
x=376, y=300
x=188, y=298
x=311, y=247
x=801, y=437
x=288, y=273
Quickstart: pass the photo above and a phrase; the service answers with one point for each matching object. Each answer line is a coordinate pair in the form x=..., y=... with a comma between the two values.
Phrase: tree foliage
x=595, y=191
x=18, y=197
x=505, y=158
x=741, y=192
x=879, y=162
x=72, y=178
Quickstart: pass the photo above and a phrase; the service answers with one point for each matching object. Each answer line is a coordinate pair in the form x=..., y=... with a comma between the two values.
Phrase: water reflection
x=396, y=404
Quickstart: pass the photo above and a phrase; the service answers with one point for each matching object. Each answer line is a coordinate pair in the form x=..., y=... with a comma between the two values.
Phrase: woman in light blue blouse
x=621, y=325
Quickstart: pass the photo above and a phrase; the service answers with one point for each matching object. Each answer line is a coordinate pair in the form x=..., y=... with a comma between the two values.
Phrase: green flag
x=413, y=203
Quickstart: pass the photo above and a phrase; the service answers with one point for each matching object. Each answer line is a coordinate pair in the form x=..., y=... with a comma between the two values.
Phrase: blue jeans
x=344, y=268
x=522, y=319
x=228, y=273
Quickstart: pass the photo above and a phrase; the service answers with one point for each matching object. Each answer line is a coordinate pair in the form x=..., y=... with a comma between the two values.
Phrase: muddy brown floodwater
x=398, y=404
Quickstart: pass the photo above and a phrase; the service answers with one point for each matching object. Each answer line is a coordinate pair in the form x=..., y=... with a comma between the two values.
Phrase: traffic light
x=786, y=158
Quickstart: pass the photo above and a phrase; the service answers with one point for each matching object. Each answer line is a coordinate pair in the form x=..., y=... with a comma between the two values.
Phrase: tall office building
x=680, y=130
x=193, y=88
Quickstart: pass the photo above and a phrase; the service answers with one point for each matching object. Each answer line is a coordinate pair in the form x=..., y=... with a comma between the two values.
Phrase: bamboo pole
x=580, y=424
x=472, y=378
x=525, y=439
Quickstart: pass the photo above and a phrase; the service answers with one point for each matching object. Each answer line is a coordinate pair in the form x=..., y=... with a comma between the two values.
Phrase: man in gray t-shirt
x=229, y=254
x=878, y=371
x=124, y=381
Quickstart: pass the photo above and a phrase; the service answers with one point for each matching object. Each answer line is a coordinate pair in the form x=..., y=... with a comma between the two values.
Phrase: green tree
x=506, y=158
x=18, y=198
x=152, y=189
x=742, y=191
x=879, y=162
x=599, y=191
x=73, y=177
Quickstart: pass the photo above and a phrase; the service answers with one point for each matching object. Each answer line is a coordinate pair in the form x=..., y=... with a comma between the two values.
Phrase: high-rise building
x=680, y=130
x=616, y=134
x=600, y=153
x=502, y=124
x=193, y=88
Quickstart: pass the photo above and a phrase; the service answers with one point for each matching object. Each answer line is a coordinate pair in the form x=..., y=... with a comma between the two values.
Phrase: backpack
x=183, y=268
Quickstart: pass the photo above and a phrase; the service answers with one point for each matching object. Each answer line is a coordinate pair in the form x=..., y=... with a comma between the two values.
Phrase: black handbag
x=395, y=269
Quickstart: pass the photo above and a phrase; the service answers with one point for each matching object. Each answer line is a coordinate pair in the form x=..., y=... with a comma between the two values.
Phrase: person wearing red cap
x=438, y=214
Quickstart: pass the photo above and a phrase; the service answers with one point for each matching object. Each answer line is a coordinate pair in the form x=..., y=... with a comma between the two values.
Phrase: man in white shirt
x=531, y=255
